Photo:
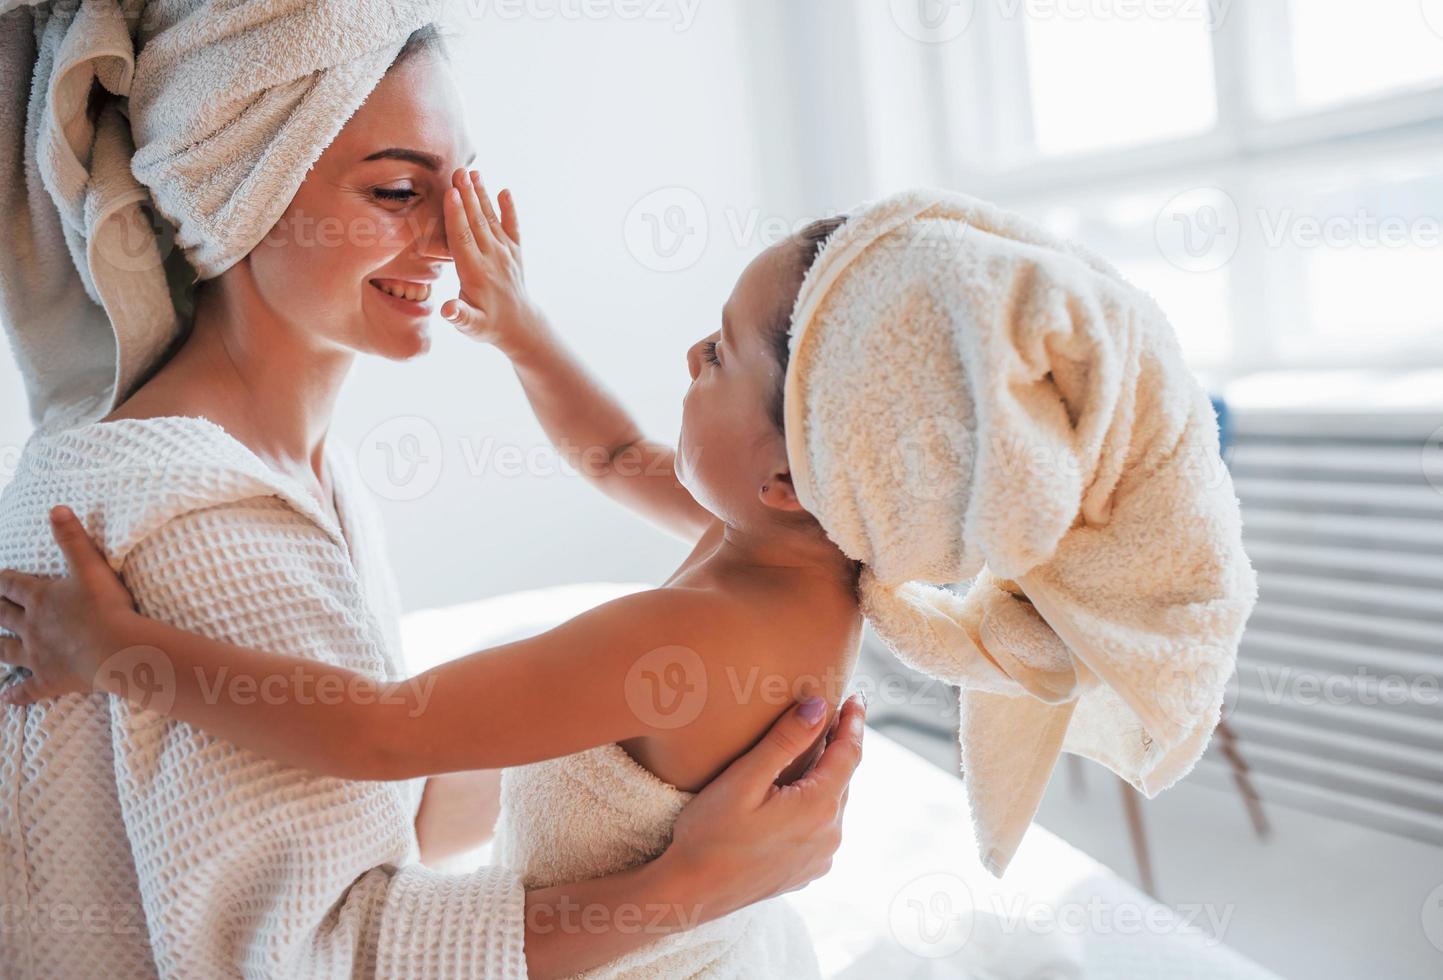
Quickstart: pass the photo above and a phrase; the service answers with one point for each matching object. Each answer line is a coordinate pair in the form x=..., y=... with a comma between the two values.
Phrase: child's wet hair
x=810, y=241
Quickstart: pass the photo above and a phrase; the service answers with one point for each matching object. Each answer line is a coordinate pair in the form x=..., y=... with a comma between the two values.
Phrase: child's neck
x=772, y=552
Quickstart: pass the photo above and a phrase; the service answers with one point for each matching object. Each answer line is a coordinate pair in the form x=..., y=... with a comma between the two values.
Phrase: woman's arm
x=584, y=421
x=743, y=839
x=540, y=698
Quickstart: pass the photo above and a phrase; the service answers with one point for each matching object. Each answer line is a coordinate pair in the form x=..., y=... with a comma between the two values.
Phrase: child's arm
x=566, y=690
x=584, y=421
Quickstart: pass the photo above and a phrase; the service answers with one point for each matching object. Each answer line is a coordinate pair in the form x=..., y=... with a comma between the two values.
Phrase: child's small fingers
x=485, y=199
x=509, y=222
x=476, y=213
x=461, y=314
x=13, y=653
x=21, y=693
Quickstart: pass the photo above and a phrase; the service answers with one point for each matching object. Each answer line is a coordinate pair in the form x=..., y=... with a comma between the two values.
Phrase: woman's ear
x=779, y=494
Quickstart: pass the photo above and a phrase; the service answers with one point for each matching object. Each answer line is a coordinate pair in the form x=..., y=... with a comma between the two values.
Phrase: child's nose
x=693, y=359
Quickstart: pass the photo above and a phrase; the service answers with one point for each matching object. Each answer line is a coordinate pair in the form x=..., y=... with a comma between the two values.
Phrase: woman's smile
x=406, y=296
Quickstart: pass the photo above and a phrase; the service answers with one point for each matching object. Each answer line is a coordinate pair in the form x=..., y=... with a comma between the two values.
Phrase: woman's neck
x=268, y=384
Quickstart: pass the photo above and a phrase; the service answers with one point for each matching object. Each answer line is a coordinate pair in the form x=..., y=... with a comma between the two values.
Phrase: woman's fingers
x=82, y=557
x=11, y=616
x=790, y=737
x=12, y=652
x=18, y=587
x=509, y=222
x=843, y=753
x=27, y=691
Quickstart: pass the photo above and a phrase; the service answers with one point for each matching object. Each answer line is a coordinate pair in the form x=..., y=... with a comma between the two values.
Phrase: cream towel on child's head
x=969, y=396
x=209, y=112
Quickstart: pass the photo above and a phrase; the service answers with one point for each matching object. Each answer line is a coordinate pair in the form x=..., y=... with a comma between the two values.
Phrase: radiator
x=1337, y=704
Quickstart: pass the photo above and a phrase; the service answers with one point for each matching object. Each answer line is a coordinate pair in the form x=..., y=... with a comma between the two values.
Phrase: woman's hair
x=810, y=241
x=427, y=39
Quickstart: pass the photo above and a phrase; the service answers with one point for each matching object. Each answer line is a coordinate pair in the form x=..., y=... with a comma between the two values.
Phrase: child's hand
x=66, y=627
x=493, y=306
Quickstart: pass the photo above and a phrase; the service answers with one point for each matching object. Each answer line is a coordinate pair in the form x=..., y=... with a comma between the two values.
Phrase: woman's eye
x=394, y=193
x=709, y=352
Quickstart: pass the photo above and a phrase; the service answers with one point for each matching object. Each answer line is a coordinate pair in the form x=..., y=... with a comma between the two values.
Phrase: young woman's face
x=730, y=446
x=369, y=215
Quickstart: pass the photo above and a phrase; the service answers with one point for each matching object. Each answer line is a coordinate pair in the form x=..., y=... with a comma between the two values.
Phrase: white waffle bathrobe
x=134, y=846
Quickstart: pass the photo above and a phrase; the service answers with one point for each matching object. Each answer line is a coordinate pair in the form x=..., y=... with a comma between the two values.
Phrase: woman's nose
x=431, y=239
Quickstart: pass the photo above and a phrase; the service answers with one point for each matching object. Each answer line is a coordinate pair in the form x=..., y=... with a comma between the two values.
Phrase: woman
x=256, y=533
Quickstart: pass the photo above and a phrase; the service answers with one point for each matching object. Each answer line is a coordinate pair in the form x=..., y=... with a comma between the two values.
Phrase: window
x=1267, y=169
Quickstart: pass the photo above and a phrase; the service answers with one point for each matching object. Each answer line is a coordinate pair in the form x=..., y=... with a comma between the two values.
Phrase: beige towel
x=128, y=128
x=970, y=397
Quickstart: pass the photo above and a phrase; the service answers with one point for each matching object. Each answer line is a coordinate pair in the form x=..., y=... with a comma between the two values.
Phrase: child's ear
x=779, y=494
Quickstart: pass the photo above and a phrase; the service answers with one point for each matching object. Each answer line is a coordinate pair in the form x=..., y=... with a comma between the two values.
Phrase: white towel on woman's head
x=969, y=397
x=209, y=113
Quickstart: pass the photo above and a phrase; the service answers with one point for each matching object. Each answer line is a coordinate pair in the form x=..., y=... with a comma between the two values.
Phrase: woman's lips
x=406, y=296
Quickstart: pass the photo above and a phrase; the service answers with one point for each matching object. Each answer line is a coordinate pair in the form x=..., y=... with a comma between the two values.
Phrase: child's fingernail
x=812, y=710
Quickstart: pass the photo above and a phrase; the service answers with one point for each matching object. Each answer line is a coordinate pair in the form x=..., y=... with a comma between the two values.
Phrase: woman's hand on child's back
x=494, y=306
x=745, y=839
x=64, y=627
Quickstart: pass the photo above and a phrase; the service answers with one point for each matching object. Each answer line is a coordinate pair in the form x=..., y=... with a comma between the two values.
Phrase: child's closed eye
x=709, y=352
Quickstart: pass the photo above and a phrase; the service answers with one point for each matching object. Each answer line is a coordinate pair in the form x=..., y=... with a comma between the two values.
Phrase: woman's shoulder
x=126, y=478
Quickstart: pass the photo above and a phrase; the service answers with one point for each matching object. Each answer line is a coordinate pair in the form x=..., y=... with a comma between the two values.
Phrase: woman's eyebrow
x=428, y=160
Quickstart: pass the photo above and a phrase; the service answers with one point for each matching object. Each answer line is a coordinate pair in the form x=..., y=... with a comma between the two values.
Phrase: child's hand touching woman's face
x=494, y=306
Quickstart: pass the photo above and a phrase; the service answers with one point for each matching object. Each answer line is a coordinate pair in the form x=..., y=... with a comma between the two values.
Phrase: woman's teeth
x=416, y=292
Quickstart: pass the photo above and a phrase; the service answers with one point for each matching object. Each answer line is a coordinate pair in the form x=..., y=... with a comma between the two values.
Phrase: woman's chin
x=404, y=343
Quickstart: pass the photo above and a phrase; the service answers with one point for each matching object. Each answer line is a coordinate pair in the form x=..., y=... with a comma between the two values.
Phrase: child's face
x=730, y=446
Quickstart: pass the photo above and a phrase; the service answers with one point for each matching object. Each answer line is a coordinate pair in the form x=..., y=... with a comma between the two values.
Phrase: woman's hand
x=745, y=839
x=494, y=306
x=65, y=627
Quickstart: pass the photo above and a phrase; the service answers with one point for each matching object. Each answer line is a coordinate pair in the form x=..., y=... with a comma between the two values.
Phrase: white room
x=1266, y=170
